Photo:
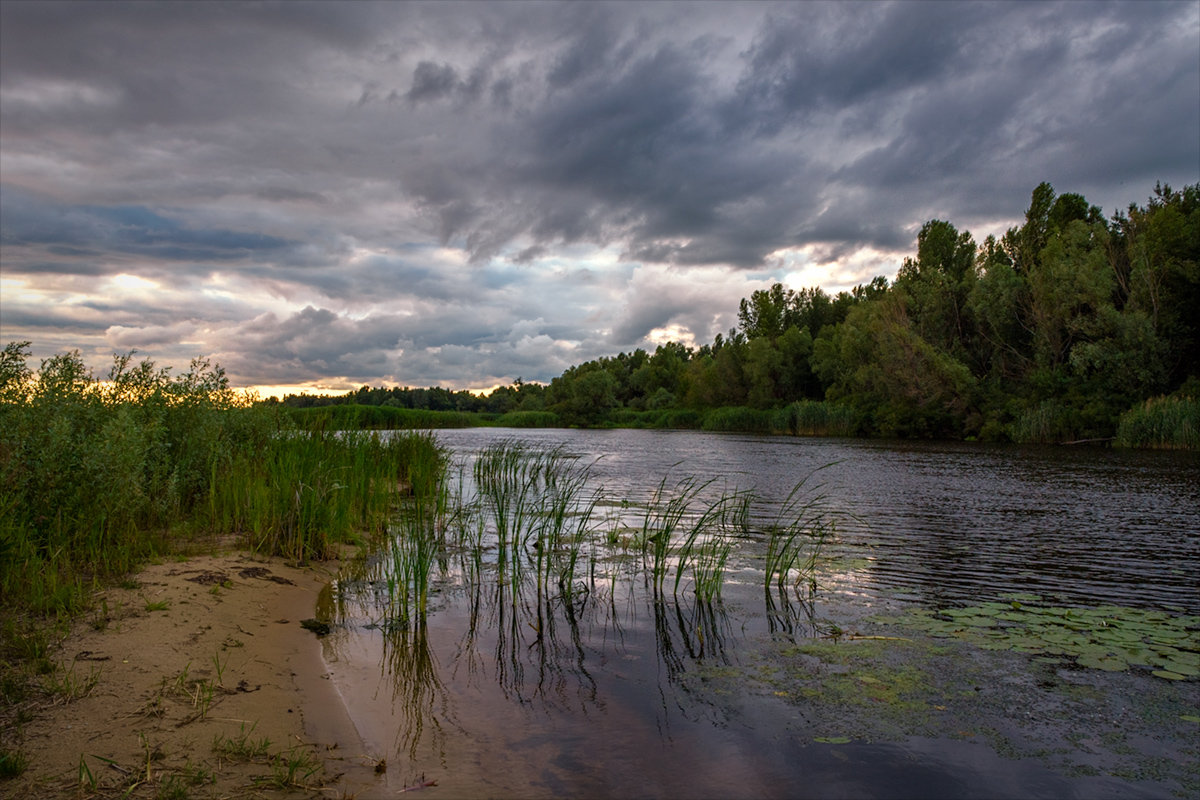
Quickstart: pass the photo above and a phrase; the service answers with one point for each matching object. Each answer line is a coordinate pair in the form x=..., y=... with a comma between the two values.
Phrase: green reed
x=1168, y=423
x=802, y=524
x=302, y=492
x=661, y=518
x=97, y=475
x=414, y=548
x=539, y=509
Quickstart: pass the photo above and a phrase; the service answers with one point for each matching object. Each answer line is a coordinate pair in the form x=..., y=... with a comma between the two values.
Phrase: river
x=618, y=690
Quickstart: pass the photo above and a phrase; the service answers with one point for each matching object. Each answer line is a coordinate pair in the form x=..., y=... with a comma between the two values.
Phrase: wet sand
x=178, y=682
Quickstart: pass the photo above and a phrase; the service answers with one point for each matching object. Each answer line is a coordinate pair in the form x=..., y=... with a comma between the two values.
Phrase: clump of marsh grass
x=1167, y=423
x=321, y=487
x=801, y=527
x=662, y=518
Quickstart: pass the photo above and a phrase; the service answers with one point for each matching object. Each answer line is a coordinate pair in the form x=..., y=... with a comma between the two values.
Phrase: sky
x=320, y=196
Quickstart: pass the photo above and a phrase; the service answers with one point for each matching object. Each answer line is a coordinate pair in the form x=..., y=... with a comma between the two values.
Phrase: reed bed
x=97, y=475
x=817, y=418
x=1166, y=423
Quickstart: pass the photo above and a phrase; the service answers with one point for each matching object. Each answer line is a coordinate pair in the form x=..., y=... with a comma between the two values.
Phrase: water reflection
x=553, y=628
x=410, y=667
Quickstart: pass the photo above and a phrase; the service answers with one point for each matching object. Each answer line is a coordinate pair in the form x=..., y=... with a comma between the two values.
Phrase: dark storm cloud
x=468, y=191
x=88, y=231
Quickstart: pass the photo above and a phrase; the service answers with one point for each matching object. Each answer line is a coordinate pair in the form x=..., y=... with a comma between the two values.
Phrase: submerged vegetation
x=1064, y=329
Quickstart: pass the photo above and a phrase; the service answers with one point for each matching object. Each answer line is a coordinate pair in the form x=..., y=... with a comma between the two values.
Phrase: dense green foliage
x=1049, y=334
x=97, y=475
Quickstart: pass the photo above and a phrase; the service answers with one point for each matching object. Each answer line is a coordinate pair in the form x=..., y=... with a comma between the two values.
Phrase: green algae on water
x=1110, y=638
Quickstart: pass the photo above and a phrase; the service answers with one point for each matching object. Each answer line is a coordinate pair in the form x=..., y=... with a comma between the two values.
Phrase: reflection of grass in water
x=417, y=689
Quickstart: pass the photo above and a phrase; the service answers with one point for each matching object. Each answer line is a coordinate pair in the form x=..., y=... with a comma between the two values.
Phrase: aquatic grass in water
x=304, y=491
x=663, y=515
x=794, y=540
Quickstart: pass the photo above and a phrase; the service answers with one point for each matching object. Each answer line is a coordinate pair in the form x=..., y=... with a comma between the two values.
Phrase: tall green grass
x=527, y=419
x=802, y=525
x=97, y=475
x=1049, y=422
x=300, y=493
x=1168, y=423
x=817, y=418
x=739, y=419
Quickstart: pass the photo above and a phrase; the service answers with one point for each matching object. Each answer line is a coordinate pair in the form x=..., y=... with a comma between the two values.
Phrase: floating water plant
x=1111, y=638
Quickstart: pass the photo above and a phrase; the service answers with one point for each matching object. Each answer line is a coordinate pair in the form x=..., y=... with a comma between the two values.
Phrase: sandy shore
x=198, y=682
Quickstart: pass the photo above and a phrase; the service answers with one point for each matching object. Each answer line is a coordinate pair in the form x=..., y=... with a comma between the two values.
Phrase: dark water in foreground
x=615, y=693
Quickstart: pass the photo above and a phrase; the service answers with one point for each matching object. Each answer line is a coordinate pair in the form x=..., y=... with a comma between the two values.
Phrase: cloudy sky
x=337, y=194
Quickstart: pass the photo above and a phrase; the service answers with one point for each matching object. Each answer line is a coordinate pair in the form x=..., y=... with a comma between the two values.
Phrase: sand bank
x=199, y=679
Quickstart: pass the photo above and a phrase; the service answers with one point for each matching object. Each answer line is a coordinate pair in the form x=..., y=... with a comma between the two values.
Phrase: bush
x=97, y=476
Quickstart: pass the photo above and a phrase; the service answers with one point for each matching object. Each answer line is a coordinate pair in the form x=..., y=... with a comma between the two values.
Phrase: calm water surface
x=613, y=693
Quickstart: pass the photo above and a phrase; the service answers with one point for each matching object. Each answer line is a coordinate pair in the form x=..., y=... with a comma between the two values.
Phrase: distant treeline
x=1049, y=334
x=500, y=401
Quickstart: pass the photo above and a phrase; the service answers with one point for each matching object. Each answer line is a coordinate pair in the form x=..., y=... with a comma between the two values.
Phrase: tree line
x=1048, y=334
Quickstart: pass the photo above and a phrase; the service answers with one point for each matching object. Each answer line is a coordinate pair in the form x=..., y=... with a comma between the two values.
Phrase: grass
x=359, y=417
x=293, y=768
x=97, y=476
x=243, y=746
x=817, y=418
x=1049, y=422
x=803, y=523
x=66, y=686
x=739, y=419
x=1166, y=423
x=13, y=763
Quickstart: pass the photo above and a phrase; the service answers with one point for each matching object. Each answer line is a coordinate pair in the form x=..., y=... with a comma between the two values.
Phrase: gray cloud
x=461, y=193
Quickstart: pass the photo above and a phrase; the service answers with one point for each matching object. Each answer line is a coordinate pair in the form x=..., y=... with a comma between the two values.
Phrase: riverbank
x=194, y=678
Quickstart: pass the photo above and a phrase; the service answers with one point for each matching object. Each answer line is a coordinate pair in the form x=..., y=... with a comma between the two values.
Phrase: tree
x=766, y=313
x=584, y=395
x=898, y=383
x=938, y=283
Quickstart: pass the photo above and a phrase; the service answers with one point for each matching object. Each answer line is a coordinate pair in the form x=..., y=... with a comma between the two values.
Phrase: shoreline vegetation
x=100, y=477
x=1069, y=329
x=1159, y=423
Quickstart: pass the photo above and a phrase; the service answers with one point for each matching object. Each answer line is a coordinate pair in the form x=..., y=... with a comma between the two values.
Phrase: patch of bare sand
x=200, y=682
